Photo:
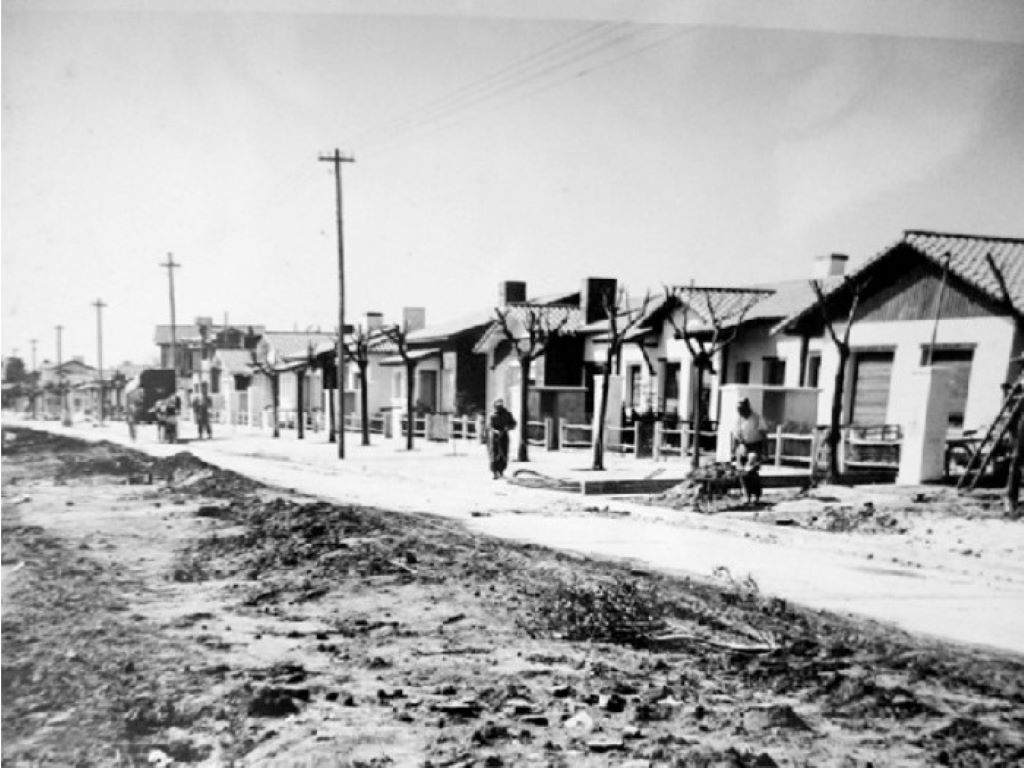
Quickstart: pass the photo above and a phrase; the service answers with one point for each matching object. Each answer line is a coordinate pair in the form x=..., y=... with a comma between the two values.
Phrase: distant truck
x=144, y=390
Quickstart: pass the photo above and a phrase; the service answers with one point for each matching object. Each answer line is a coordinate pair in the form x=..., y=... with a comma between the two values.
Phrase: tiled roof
x=787, y=297
x=719, y=306
x=292, y=345
x=564, y=318
x=442, y=331
x=967, y=260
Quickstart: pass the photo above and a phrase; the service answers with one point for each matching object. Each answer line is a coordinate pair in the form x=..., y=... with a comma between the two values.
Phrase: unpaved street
x=162, y=611
x=948, y=572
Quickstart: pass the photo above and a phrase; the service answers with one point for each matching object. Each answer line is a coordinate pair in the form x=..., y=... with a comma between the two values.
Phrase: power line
x=475, y=88
x=590, y=59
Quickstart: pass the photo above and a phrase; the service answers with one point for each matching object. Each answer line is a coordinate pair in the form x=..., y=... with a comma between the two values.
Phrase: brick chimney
x=592, y=297
x=374, y=321
x=830, y=265
x=511, y=292
x=414, y=318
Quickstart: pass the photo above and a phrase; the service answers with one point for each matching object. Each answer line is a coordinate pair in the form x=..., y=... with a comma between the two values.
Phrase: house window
x=773, y=371
x=214, y=381
x=958, y=359
x=635, y=382
x=813, y=370
x=396, y=384
x=670, y=403
x=742, y=373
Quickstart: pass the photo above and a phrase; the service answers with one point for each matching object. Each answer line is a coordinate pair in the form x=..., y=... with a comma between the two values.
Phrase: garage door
x=872, y=372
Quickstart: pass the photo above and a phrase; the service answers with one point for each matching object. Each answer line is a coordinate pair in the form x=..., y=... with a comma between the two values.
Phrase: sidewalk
x=920, y=583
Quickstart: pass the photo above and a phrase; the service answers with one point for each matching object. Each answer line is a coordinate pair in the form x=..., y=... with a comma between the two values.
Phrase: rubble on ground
x=437, y=646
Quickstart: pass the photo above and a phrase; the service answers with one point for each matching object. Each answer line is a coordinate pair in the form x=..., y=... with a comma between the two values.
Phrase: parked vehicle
x=148, y=388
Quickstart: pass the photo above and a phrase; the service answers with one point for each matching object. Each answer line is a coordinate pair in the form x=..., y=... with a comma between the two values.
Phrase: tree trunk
x=602, y=413
x=364, y=406
x=410, y=370
x=300, y=417
x=836, y=416
x=698, y=416
x=524, y=407
x=274, y=386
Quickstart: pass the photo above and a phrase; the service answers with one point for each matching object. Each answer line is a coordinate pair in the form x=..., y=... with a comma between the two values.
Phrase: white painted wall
x=992, y=337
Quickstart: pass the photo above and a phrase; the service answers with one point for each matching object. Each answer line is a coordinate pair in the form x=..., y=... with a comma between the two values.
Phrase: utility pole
x=99, y=349
x=171, y=266
x=35, y=382
x=336, y=159
x=65, y=416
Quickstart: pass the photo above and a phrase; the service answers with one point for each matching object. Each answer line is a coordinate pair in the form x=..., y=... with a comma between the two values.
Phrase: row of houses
x=941, y=299
x=71, y=388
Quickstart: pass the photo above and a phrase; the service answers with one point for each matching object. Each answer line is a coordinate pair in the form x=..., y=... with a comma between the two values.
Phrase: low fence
x=538, y=432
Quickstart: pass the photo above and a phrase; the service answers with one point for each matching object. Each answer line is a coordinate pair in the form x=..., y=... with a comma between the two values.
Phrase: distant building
x=197, y=343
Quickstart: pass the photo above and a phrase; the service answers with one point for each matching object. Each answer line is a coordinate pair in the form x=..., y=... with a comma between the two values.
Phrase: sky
x=725, y=142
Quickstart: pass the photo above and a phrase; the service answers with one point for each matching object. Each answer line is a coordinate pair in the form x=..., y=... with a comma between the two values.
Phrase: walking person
x=748, y=445
x=499, y=423
x=202, y=404
x=131, y=402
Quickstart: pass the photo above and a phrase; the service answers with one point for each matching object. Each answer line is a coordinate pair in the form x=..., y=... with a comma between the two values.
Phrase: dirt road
x=953, y=576
x=162, y=611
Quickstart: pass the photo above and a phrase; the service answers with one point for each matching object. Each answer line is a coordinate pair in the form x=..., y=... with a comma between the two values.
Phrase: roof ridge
x=963, y=235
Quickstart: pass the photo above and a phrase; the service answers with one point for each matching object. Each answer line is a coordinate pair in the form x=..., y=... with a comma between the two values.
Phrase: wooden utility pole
x=65, y=416
x=99, y=350
x=35, y=382
x=336, y=159
x=171, y=265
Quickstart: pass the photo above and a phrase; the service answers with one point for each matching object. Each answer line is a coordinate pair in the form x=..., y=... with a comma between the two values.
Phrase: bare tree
x=260, y=363
x=357, y=349
x=1011, y=494
x=398, y=335
x=842, y=345
x=722, y=311
x=530, y=328
x=622, y=320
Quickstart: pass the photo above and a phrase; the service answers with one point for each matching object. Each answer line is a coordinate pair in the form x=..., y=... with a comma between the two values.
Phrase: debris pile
x=619, y=610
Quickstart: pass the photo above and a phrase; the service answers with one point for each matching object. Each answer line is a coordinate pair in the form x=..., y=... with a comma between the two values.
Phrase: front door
x=427, y=390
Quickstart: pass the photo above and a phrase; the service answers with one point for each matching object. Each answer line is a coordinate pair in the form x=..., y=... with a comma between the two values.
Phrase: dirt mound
x=966, y=743
x=328, y=538
x=855, y=696
x=187, y=473
x=19, y=441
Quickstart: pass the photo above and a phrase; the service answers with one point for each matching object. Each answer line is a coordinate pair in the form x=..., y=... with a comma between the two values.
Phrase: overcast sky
x=724, y=142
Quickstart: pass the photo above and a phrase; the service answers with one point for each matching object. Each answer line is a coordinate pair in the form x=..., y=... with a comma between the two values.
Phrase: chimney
x=511, y=292
x=414, y=318
x=830, y=265
x=592, y=297
x=374, y=321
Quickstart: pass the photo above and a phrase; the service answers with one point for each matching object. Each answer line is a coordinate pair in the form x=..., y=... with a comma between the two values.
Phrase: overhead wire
x=490, y=82
x=590, y=60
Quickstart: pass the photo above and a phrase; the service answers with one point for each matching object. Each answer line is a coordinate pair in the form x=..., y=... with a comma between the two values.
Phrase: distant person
x=202, y=404
x=748, y=445
x=131, y=401
x=499, y=423
x=170, y=407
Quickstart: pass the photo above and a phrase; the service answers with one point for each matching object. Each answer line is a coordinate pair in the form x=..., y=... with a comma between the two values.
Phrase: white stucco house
x=944, y=299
